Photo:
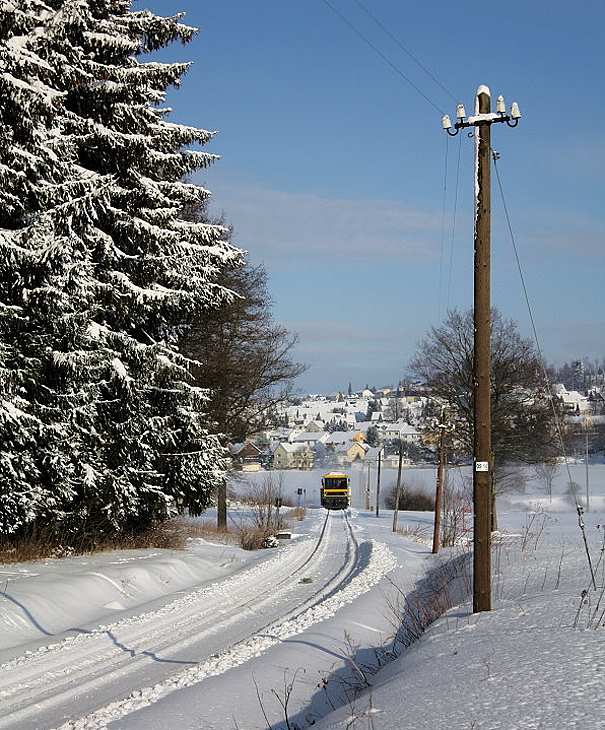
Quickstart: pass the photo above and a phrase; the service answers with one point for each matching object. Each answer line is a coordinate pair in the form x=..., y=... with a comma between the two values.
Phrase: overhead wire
x=547, y=383
x=454, y=213
x=442, y=246
x=382, y=55
x=435, y=79
x=405, y=49
x=409, y=81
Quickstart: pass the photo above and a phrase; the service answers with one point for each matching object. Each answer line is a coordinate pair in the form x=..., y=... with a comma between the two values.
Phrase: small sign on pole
x=481, y=466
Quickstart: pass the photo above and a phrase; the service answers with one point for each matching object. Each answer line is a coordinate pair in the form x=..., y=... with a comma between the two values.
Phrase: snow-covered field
x=533, y=494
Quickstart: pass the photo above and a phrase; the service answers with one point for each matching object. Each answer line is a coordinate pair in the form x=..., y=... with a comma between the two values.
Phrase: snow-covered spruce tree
x=100, y=273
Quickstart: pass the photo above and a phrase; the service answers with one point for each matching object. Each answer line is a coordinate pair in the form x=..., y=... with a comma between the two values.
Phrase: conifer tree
x=102, y=427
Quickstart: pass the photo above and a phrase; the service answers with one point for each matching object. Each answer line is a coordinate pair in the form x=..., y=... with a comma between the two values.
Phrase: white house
x=571, y=400
x=293, y=456
x=401, y=430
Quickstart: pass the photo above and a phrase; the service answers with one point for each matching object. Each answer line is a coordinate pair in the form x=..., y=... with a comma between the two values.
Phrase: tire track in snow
x=381, y=562
x=48, y=677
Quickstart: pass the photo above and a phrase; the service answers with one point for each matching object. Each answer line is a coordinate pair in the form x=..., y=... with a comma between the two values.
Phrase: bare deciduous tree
x=522, y=419
x=546, y=473
x=245, y=358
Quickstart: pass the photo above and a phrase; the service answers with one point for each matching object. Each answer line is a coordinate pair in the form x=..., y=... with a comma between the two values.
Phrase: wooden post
x=587, y=423
x=367, y=501
x=482, y=467
x=378, y=484
x=483, y=463
x=439, y=491
x=398, y=490
x=221, y=505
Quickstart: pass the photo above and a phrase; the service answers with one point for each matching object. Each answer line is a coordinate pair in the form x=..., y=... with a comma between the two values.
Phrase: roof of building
x=293, y=448
x=402, y=428
x=304, y=436
x=340, y=437
x=361, y=444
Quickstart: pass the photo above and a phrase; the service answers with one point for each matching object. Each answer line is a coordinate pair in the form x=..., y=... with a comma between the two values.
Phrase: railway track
x=95, y=667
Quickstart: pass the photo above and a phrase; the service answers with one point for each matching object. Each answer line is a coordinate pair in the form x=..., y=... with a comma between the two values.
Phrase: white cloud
x=276, y=225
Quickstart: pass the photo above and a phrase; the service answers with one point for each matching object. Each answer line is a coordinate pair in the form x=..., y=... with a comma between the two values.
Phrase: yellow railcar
x=335, y=490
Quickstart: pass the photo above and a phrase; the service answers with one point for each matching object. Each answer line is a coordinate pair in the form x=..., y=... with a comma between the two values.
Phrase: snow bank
x=534, y=662
x=46, y=598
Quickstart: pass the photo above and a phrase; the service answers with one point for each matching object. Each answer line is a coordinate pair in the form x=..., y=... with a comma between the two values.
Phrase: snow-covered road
x=91, y=677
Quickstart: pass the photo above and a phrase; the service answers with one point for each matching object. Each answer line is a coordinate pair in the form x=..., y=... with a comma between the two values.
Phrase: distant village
x=350, y=427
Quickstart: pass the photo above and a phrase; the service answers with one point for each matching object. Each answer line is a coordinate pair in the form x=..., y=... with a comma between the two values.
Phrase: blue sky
x=332, y=167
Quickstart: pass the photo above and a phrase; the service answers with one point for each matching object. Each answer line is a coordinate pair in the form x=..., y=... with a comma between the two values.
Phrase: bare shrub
x=41, y=544
x=418, y=533
x=249, y=537
x=39, y=547
x=572, y=492
x=167, y=535
x=208, y=530
x=443, y=588
x=256, y=538
x=456, y=521
x=546, y=473
x=410, y=499
x=264, y=499
x=532, y=531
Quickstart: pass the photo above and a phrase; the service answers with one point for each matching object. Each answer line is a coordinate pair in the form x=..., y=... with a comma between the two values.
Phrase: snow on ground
x=317, y=651
x=42, y=599
x=532, y=663
x=536, y=661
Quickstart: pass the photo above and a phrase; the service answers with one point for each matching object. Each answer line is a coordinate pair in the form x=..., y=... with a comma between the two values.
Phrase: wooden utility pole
x=483, y=461
x=368, y=486
x=378, y=484
x=221, y=506
x=587, y=426
x=482, y=483
x=439, y=487
x=587, y=482
x=398, y=489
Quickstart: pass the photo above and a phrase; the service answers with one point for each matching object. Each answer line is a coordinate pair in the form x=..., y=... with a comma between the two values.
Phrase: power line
x=530, y=309
x=542, y=362
x=442, y=246
x=383, y=56
x=451, y=266
x=404, y=48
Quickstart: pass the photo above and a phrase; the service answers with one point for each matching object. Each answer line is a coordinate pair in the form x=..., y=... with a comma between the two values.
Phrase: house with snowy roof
x=293, y=456
x=572, y=400
x=309, y=437
x=246, y=453
x=316, y=425
x=401, y=430
x=338, y=438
